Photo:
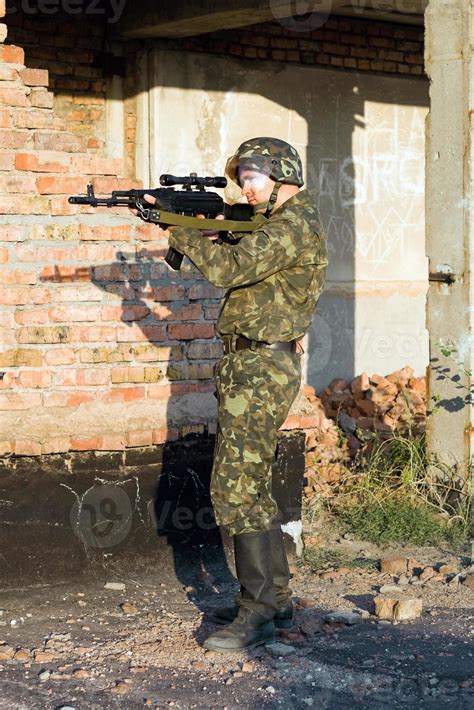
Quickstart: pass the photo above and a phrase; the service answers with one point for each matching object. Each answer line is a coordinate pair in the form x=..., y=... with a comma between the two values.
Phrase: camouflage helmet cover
x=276, y=158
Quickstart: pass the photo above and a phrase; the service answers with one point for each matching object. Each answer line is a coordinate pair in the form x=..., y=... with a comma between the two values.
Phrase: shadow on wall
x=163, y=488
x=170, y=494
x=328, y=111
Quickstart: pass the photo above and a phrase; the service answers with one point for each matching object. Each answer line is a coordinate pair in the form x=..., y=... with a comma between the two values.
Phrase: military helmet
x=272, y=156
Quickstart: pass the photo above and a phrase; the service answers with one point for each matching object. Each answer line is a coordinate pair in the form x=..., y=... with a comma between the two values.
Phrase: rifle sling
x=171, y=219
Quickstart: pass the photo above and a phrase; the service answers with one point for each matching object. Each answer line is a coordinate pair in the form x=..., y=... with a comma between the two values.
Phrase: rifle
x=178, y=207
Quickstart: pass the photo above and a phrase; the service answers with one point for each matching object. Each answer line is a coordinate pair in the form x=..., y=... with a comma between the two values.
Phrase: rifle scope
x=192, y=180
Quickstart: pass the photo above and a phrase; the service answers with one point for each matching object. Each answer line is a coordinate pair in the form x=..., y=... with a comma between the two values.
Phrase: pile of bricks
x=327, y=454
x=376, y=404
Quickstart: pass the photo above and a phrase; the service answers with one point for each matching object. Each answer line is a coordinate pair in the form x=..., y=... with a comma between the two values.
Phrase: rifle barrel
x=101, y=201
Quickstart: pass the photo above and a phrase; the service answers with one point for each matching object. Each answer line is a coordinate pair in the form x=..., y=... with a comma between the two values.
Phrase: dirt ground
x=86, y=645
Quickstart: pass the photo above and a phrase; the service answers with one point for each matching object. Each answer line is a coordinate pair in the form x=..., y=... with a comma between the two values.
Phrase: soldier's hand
x=209, y=233
x=147, y=198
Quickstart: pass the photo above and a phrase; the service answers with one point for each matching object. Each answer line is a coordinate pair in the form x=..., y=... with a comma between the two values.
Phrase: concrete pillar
x=449, y=57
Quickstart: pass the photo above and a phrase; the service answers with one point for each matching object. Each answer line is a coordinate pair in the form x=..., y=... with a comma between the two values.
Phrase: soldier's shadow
x=181, y=510
x=184, y=517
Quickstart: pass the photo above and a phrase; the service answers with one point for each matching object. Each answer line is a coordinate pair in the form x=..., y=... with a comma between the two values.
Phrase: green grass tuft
x=395, y=520
x=321, y=558
x=395, y=493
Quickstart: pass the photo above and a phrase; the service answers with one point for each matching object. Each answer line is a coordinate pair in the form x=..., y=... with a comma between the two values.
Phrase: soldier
x=274, y=276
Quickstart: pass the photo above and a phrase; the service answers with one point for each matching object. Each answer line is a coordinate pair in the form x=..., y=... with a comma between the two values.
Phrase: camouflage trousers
x=255, y=390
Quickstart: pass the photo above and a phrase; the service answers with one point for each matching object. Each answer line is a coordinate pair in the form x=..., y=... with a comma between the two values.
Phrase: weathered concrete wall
x=339, y=43
x=450, y=227
x=67, y=515
x=362, y=141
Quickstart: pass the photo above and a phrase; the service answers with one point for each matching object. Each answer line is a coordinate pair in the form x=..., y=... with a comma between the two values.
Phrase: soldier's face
x=255, y=186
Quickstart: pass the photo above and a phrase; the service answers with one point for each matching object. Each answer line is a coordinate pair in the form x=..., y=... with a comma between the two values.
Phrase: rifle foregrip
x=174, y=259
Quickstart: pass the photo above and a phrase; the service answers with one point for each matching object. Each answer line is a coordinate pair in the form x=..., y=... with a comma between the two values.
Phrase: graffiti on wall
x=377, y=192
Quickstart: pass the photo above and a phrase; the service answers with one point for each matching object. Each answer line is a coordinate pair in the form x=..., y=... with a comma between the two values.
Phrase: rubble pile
x=327, y=452
x=374, y=405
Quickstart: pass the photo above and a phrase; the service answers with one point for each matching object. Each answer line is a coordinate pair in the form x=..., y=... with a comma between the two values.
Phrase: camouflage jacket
x=274, y=274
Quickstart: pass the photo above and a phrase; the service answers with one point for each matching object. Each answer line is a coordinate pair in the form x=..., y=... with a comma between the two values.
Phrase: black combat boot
x=253, y=624
x=283, y=618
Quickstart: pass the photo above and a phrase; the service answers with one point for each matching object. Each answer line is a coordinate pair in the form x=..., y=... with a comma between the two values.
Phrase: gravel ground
x=79, y=646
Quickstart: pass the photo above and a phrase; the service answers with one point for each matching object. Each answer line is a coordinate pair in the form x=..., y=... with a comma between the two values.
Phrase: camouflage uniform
x=274, y=275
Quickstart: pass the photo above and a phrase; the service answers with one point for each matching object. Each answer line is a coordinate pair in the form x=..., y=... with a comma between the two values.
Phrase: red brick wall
x=68, y=46
x=80, y=325
x=341, y=43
